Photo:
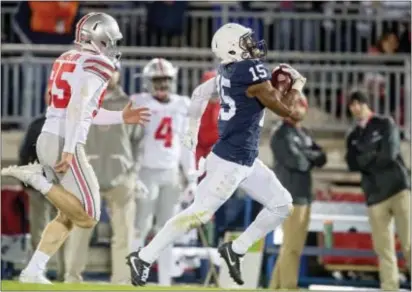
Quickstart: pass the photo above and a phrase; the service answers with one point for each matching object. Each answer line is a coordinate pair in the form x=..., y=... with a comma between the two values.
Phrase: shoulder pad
x=349, y=131
x=388, y=120
x=250, y=72
x=181, y=102
x=139, y=99
x=99, y=65
x=184, y=100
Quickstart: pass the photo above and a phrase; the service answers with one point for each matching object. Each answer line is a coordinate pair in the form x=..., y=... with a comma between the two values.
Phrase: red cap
x=208, y=75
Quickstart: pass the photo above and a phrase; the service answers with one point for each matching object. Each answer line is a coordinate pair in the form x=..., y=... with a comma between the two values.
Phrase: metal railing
x=311, y=32
x=330, y=78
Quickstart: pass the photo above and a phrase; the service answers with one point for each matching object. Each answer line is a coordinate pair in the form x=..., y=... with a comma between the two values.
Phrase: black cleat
x=232, y=260
x=139, y=269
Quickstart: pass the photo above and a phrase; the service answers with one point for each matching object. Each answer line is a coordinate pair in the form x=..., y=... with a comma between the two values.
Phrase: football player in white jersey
x=162, y=154
x=76, y=87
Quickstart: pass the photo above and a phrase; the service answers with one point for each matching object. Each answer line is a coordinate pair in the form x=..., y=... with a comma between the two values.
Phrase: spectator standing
x=295, y=153
x=111, y=154
x=382, y=86
x=165, y=21
x=46, y=22
x=373, y=149
x=405, y=39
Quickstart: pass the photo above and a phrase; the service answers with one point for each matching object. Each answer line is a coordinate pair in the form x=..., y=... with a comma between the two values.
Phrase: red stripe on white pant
x=84, y=189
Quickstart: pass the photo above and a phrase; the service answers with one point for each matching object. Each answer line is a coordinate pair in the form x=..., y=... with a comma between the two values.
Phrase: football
x=281, y=80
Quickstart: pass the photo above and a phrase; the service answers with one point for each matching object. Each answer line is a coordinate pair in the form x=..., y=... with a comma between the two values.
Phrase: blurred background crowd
x=376, y=28
x=340, y=46
x=321, y=26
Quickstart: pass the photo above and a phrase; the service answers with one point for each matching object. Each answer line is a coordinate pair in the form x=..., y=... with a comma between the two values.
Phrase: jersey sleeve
x=99, y=66
x=138, y=99
x=250, y=72
x=200, y=98
x=88, y=86
x=107, y=117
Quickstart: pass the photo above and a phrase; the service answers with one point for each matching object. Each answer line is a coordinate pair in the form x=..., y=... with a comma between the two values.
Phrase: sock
x=265, y=222
x=42, y=184
x=136, y=243
x=165, y=266
x=37, y=262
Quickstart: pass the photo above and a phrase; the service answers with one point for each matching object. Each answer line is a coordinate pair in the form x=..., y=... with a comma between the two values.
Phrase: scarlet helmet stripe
x=161, y=66
x=80, y=24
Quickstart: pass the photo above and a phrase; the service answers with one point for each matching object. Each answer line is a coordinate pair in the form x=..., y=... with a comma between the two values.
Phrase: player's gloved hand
x=298, y=80
x=141, y=189
x=189, y=139
x=188, y=194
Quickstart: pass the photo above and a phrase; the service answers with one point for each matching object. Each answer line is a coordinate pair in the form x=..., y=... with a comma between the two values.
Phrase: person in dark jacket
x=373, y=149
x=40, y=209
x=295, y=153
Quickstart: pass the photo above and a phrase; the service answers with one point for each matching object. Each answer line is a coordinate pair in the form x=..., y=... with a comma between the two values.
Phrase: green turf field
x=16, y=286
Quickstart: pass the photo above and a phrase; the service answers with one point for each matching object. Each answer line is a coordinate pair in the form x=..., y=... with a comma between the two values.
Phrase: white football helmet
x=159, y=77
x=233, y=43
x=99, y=32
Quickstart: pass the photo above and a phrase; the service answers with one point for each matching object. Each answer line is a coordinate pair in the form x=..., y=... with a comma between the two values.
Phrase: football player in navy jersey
x=243, y=84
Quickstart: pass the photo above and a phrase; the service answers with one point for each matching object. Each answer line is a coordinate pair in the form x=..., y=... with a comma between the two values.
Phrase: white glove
x=188, y=194
x=298, y=80
x=189, y=139
x=141, y=189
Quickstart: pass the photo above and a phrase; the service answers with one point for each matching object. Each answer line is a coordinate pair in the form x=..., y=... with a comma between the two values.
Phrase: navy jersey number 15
x=228, y=104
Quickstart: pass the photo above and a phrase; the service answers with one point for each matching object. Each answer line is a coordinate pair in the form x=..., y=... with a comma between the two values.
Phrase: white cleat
x=37, y=278
x=31, y=174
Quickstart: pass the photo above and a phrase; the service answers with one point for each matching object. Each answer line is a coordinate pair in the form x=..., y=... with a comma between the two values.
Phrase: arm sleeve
x=107, y=117
x=88, y=87
x=365, y=160
x=351, y=154
x=200, y=99
x=188, y=157
x=188, y=163
x=287, y=153
x=390, y=145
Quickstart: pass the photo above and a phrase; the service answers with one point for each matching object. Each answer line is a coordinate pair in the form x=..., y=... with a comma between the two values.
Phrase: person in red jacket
x=208, y=131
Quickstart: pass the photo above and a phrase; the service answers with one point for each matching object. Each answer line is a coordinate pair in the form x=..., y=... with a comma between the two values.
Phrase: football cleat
x=139, y=269
x=232, y=260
